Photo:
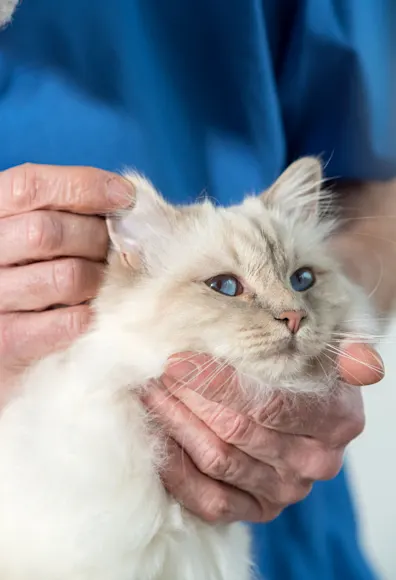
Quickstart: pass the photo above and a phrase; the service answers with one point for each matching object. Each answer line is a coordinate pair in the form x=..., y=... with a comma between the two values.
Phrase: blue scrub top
x=215, y=96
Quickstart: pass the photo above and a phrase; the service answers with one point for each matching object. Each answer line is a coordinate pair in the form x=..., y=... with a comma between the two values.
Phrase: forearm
x=367, y=238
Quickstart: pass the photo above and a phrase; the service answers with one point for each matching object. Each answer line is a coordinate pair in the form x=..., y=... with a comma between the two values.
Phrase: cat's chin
x=288, y=374
x=294, y=369
x=277, y=368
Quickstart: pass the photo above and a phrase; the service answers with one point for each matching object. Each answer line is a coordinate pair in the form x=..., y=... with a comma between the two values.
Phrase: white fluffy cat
x=80, y=494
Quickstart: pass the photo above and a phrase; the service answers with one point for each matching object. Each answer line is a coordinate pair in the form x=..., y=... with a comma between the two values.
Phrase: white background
x=372, y=466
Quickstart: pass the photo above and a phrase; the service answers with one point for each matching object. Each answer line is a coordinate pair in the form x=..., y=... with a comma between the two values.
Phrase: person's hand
x=230, y=460
x=53, y=243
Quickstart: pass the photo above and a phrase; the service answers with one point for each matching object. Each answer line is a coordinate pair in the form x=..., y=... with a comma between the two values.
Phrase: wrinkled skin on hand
x=234, y=460
x=53, y=244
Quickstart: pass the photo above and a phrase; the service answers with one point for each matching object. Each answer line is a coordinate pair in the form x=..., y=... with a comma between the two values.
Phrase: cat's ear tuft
x=135, y=232
x=298, y=188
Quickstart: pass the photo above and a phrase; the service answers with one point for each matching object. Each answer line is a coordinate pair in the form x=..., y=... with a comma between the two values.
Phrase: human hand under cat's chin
x=53, y=244
x=231, y=460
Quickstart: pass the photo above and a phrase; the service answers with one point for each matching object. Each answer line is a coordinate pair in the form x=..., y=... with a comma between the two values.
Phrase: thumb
x=360, y=365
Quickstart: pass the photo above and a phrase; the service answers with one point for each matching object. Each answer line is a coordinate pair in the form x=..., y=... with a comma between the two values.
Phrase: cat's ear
x=298, y=189
x=144, y=227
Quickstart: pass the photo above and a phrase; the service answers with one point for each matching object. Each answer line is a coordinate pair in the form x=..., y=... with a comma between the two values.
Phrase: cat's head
x=254, y=284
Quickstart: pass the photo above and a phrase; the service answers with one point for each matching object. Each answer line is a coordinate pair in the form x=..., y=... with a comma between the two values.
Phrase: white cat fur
x=7, y=8
x=80, y=494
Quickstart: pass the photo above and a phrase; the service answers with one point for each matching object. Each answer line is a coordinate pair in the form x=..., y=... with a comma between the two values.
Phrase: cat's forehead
x=251, y=237
x=244, y=236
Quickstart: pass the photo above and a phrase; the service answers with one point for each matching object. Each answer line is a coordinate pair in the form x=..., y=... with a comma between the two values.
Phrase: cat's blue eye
x=225, y=284
x=302, y=279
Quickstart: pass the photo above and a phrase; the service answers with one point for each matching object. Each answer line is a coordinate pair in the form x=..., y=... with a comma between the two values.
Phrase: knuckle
x=270, y=512
x=353, y=428
x=274, y=410
x=329, y=470
x=6, y=341
x=218, y=463
x=43, y=232
x=76, y=323
x=323, y=465
x=348, y=430
x=289, y=494
x=273, y=514
x=348, y=420
x=23, y=186
x=67, y=276
x=238, y=428
x=85, y=181
x=217, y=507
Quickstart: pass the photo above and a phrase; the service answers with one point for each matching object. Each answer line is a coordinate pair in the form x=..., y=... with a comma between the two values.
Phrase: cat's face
x=253, y=284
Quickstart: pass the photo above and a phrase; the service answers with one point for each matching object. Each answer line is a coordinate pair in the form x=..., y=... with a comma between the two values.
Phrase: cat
x=7, y=8
x=253, y=284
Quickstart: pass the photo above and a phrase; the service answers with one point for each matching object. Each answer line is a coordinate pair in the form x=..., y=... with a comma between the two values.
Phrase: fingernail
x=181, y=370
x=380, y=363
x=368, y=357
x=374, y=353
x=120, y=192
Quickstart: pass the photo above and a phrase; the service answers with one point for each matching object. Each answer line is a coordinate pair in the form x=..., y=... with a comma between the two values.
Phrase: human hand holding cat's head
x=52, y=247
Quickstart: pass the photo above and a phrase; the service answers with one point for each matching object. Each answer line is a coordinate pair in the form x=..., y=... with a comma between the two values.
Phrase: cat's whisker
x=347, y=355
x=363, y=334
x=380, y=276
x=183, y=384
x=335, y=366
x=204, y=387
x=323, y=369
x=372, y=342
x=359, y=339
x=368, y=341
x=331, y=359
x=363, y=319
x=345, y=221
x=379, y=238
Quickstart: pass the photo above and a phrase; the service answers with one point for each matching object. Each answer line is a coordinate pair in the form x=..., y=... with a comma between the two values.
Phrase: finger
x=29, y=336
x=42, y=235
x=187, y=373
x=203, y=374
x=335, y=419
x=290, y=453
x=212, y=455
x=210, y=500
x=361, y=365
x=278, y=468
x=68, y=282
x=234, y=428
x=75, y=189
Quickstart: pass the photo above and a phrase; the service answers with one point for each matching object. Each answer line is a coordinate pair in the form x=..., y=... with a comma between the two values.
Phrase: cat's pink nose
x=293, y=319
